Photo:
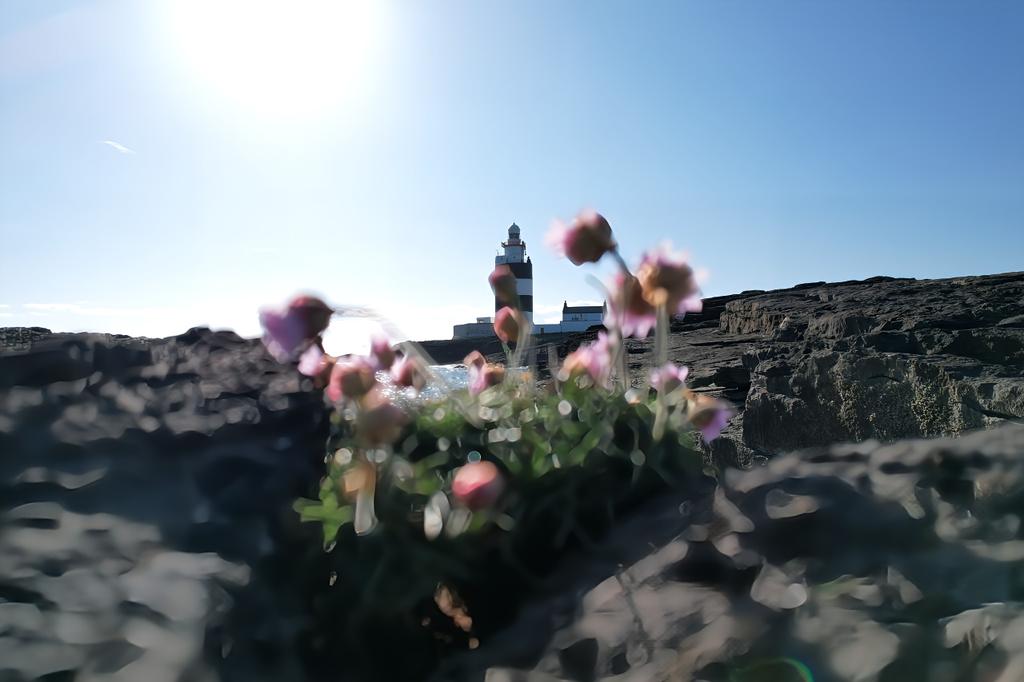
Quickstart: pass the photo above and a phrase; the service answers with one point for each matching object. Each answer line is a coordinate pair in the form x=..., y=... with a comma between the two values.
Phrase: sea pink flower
x=483, y=378
x=287, y=331
x=409, y=373
x=382, y=353
x=477, y=485
x=474, y=359
x=317, y=364
x=707, y=414
x=593, y=360
x=584, y=241
x=482, y=374
x=666, y=279
x=379, y=421
x=627, y=310
x=668, y=377
x=311, y=361
x=503, y=284
x=507, y=323
x=351, y=378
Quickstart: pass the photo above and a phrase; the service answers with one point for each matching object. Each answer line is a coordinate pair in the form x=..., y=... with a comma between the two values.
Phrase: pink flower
x=482, y=374
x=409, y=373
x=315, y=363
x=585, y=241
x=707, y=414
x=477, y=485
x=379, y=421
x=351, y=378
x=628, y=311
x=483, y=378
x=503, y=284
x=668, y=377
x=507, y=323
x=666, y=279
x=311, y=361
x=474, y=359
x=594, y=361
x=382, y=353
x=286, y=331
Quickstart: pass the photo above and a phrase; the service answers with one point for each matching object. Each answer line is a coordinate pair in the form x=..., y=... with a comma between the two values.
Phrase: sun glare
x=295, y=58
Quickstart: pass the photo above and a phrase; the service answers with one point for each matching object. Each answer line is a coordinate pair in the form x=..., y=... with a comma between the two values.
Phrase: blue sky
x=169, y=164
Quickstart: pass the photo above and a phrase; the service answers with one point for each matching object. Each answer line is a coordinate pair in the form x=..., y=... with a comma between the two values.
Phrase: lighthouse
x=579, y=318
x=514, y=256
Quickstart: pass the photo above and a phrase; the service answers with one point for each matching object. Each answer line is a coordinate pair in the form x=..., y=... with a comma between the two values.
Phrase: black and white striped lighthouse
x=516, y=259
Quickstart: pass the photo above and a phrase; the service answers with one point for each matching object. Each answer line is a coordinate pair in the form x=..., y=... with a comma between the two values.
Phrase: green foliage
x=530, y=435
x=573, y=457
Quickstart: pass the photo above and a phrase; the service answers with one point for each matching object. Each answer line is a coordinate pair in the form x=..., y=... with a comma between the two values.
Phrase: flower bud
x=379, y=421
x=628, y=311
x=483, y=377
x=667, y=280
x=474, y=359
x=478, y=485
x=708, y=415
x=317, y=364
x=507, y=323
x=382, y=353
x=286, y=332
x=409, y=372
x=585, y=241
x=503, y=284
x=668, y=378
x=593, y=360
x=351, y=378
x=314, y=314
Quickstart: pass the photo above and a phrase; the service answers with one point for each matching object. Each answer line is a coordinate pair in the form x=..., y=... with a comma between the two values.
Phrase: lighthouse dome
x=513, y=231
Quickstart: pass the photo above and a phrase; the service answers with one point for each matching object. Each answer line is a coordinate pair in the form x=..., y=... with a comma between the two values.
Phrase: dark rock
x=869, y=562
x=21, y=338
x=882, y=358
x=146, y=529
x=145, y=489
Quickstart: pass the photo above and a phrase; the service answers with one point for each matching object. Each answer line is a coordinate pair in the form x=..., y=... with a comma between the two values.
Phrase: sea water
x=450, y=378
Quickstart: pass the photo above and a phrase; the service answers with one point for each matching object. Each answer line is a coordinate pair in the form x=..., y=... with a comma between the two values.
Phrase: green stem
x=620, y=360
x=661, y=336
x=661, y=358
x=525, y=329
x=622, y=263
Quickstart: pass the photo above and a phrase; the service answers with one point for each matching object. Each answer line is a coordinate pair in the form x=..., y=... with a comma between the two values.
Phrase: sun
x=284, y=58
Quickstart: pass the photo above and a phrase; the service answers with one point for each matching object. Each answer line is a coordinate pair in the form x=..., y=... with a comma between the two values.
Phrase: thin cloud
x=117, y=146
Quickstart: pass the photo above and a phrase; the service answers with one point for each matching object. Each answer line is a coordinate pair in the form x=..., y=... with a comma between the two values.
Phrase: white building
x=575, y=319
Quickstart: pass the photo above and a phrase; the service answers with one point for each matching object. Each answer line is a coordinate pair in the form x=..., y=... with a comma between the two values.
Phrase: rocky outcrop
x=21, y=338
x=861, y=562
x=145, y=492
x=881, y=358
x=146, y=530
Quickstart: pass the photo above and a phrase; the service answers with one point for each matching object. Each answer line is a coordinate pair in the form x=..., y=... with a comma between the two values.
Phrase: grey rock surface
x=145, y=492
x=881, y=358
x=864, y=562
x=146, y=530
